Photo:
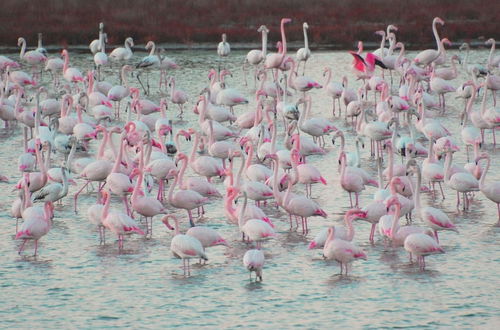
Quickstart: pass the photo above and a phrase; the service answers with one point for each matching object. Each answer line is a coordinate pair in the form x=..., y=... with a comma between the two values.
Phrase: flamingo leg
x=436, y=235
x=191, y=222
x=22, y=247
x=36, y=248
x=78, y=193
x=372, y=232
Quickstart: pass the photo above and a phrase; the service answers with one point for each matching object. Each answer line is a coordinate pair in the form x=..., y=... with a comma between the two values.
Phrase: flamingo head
x=166, y=223
x=438, y=20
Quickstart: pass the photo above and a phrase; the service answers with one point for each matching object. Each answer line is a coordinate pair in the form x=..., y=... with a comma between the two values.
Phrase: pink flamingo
x=118, y=92
x=344, y=233
x=341, y=251
x=184, y=247
x=118, y=222
x=364, y=68
x=492, y=189
x=35, y=227
x=305, y=173
x=97, y=170
x=255, y=230
x=432, y=217
x=397, y=233
x=301, y=206
x=204, y=165
x=251, y=212
x=422, y=245
x=428, y=56
x=274, y=60
x=146, y=206
x=200, y=185
x=316, y=127
x=118, y=183
x=253, y=260
x=185, y=199
x=178, y=97
x=462, y=182
x=350, y=182
x=71, y=74
x=333, y=89
x=123, y=53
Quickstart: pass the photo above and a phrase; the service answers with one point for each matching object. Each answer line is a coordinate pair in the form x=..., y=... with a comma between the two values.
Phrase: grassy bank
x=73, y=22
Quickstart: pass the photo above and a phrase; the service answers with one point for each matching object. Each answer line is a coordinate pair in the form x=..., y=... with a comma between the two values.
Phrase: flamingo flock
x=251, y=159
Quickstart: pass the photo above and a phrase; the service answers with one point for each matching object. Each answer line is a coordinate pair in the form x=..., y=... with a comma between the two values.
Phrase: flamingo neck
x=283, y=41
x=195, y=146
x=250, y=155
x=306, y=41
x=395, y=220
x=66, y=61
x=153, y=49
x=104, y=141
x=105, y=210
x=23, y=49
x=436, y=36
x=276, y=192
x=483, y=175
x=329, y=76
x=241, y=219
x=174, y=184
x=118, y=160
x=447, y=166
x=240, y=170
x=264, y=43
x=137, y=188
x=419, y=186
x=182, y=171
x=492, y=50
x=382, y=44
x=230, y=210
x=350, y=228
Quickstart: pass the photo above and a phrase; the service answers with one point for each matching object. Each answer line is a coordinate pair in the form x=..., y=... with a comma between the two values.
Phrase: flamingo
x=333, y=89
x=398, y=233
x=253, y=260
x=35, y=227
x=422, y=245
x=428, y=56
x=493, y=61
x=32, y=57
x=118, y=92
x=274, y=60
x=344, y=233
x=491, y=189
x=118, y=222
x=124, y=53
x=95, y=45
x=185, y=198
x=432, y=217
x=341, y=251
x=71, y=74
x=460, y=182
x=100, y=58
x=304, y=53
x=257, y=56
x=223, y=48
x=178, y=97
x=255, y=230
x=305, y=173
x=184, y=247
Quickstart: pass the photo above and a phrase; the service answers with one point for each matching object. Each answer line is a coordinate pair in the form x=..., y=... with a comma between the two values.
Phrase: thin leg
x=22, y=247
x=78, y=193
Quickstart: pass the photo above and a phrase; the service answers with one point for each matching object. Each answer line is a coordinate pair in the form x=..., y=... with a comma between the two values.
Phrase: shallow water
x=75, y=282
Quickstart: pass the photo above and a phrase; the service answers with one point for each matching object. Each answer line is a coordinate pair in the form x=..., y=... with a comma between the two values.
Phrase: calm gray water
x=76, y=283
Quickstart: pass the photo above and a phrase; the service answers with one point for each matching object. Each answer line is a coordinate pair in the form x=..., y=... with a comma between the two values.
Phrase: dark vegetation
x=333, y=22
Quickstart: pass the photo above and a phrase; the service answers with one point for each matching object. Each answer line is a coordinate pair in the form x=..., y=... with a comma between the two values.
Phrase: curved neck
x=71, y=154
x=436, y=35
x=172, y=187
x=350, y=228
x=275, y=181
x=182, y=171
x=66, y=61
x=306, y=41
x=382, y=43
x=105, y=210
x=240, y=170
x=127, y=44
x=23, y=49
x=395, y=220
x=162, y=142
x=118, y=160
x=283, y=41
x=230, y=210
x=104, y=141
x=483, y=175
x=124, y=78
x=447, y=166
x=250, y=155
x=153, y=49
x=137, y=188
x=328, y=76
x=195, y=146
